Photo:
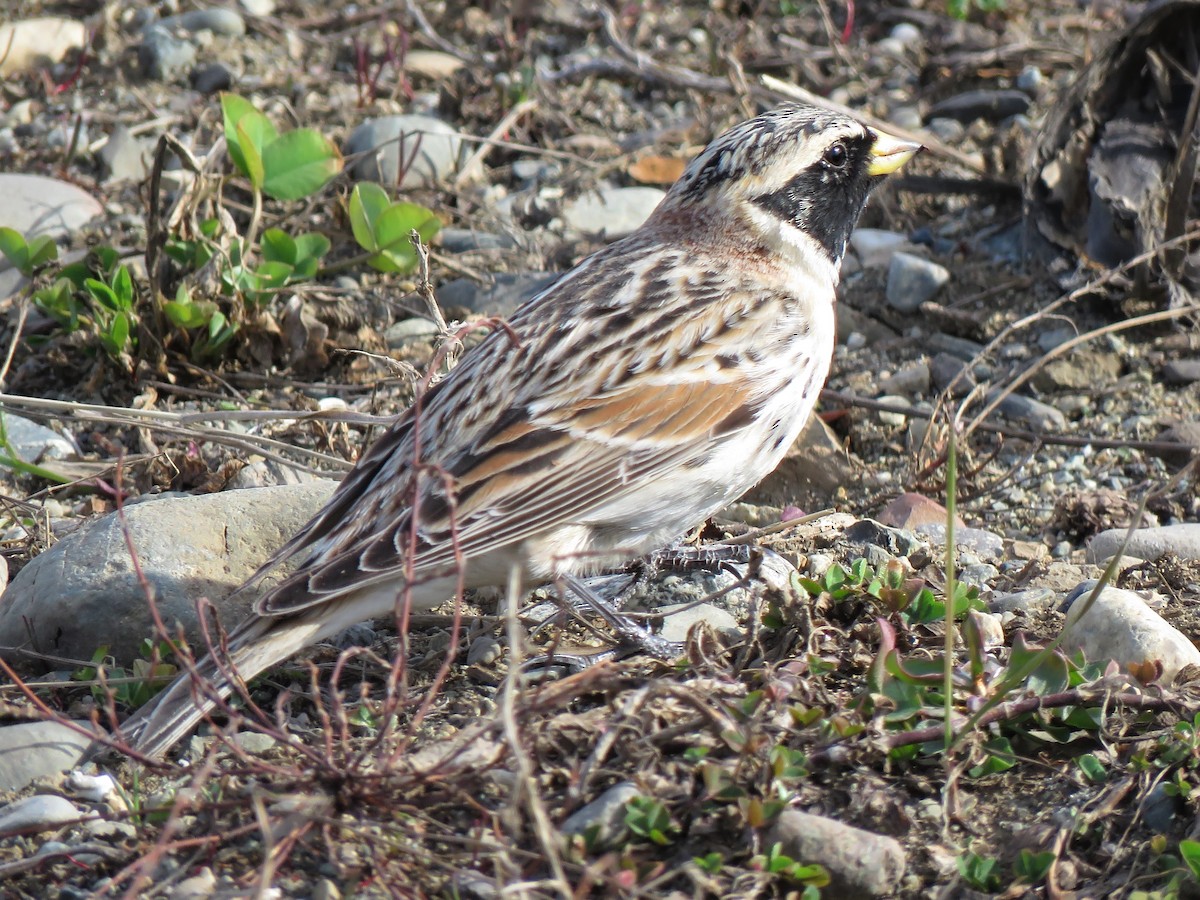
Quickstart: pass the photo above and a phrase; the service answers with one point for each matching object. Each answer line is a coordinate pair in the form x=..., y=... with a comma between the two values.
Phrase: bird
x=647, y=388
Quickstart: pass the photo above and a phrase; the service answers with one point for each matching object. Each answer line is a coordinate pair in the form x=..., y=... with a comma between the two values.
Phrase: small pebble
x=913, y=280
x=1030, y=80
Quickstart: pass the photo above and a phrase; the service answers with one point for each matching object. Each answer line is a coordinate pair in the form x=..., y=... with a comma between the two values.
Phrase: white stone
x=678, y=620
x=875, y=247
x=388, y=142
x=613, y=212
x=35, y=204
x=30, y=43
x=1119, y=626
x=39, y=813
x=1148, y=543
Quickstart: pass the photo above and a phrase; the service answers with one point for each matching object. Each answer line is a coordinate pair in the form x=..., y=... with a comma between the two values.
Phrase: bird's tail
x=254, y=646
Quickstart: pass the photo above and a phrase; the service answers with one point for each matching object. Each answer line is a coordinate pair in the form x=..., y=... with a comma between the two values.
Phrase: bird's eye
x=835, y=156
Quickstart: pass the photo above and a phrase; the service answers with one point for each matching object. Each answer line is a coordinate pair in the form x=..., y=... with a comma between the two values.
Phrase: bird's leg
x=633, y=637
x=683, y=558
x=630, y=634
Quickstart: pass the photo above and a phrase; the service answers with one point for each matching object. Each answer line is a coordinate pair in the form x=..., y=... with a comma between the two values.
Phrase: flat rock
x=163, y=55
x=1187, y=436
x=813, y=468
x=34, y=443
x=613, y=212
x=29, y=44
x=83, y=592
x=679, y=619
x=427, y=146
x=1078, y=371
x=1035, y=600
x=604, y=817
x=983, y=543
x=1148, y=543
x=971, y=105
x=875, y=247
x=38, y=813
x=861, y=864
x=1181, y=371
x=910, y=510
x=909, y=380
x=1119, y=626
x=35, y=204
x=913, y=280
x=1037, y=415
x=500, y=298
x=226, y=22
x=464, y=240
x=432, y=64
x=125, y=157
x=33, y=750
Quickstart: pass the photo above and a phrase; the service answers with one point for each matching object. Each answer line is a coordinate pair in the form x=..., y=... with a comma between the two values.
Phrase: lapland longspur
x=650, y=386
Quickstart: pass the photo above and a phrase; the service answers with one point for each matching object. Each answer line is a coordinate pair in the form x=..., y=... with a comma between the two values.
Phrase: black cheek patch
x=825, y=202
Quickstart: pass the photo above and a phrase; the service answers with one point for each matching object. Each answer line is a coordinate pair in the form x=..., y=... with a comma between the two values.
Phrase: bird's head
x=797, y=177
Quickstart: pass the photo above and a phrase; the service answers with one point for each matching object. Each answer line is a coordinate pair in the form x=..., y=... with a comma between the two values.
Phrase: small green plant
x=891, y=589
x=133, y=687
x=384, y=228
x=97, y=295
x=711, y=863
x=287, y=166
x=776, y=862
x=29, y=256
x=961, y=9
x=650, y=820
x=213, y=330
x=1032, y=868
x=980, y=872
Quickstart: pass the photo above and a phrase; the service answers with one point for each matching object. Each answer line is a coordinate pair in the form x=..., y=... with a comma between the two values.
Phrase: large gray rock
x=861, y=864
x=612, y=211
x=33, y=750
x=83, y=592
x=428, y=148
x=1148, y=543
x=35, y=204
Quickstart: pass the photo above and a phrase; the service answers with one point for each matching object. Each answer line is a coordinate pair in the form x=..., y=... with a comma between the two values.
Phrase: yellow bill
x=889, y=153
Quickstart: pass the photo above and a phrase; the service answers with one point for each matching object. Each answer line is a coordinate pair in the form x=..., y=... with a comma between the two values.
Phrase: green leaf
x=311, y=246
x=1032, y=868
x=278, y=246
x=368, y=201
x=1190, y=852
x=14, y=248
x=123, y=288
x=1000, y=758
x=299, y=163
x=42, y=249
x=102, y=293
x=273, y=274
x=252, y=157
x=184, y=315
x=393, y=236
x=1093, y=770
x=117, y=336
x=246, y=129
